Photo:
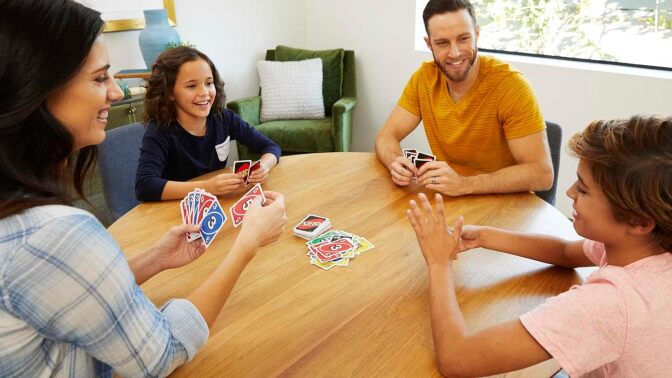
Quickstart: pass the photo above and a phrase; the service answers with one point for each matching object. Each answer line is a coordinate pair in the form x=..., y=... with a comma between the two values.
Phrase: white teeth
x=103, y=114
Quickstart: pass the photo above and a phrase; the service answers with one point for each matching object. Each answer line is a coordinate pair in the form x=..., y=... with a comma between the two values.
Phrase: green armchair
x=333, y=133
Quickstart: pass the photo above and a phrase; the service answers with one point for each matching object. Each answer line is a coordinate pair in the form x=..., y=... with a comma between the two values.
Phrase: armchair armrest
x=247, y=108
x=341, y=118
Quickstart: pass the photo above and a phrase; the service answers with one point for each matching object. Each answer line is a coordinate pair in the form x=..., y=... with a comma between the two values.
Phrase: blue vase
x=156, y=36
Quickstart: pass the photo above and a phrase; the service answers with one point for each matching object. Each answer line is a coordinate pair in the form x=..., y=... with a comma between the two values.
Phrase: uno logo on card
x=310, y=224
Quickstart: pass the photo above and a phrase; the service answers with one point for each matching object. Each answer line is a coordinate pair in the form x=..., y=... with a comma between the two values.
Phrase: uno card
x=420, y=162
x=213, y=220
x=422, y=155
x=204, y=205
x=256, y=165
x=310, y=223
x=242, y=167
x=239, y=209
x=329, y=251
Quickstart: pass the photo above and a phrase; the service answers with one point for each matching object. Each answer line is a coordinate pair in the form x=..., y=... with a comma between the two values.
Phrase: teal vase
x=156, y=36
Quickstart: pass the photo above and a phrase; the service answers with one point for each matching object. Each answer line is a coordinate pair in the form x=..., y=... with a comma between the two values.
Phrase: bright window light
x=625, y=32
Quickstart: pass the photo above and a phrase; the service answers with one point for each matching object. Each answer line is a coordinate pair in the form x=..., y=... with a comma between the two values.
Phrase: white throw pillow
x=291, y=90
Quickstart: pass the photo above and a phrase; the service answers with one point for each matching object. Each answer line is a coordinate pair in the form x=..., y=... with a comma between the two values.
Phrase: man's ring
x=433, y=180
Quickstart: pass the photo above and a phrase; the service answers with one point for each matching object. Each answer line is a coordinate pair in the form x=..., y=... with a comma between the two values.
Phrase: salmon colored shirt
x=617, y=324
x=473, y=132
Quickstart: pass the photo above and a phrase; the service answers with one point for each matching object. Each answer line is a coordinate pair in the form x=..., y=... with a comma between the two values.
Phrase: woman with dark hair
x=189, y=131
x=69, y=300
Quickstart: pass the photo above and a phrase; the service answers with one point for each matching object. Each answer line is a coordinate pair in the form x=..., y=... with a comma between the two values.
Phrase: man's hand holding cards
x=239, y=209
x=202, y=208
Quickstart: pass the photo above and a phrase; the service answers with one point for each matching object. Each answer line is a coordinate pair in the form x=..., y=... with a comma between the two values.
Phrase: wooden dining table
x=286, y=317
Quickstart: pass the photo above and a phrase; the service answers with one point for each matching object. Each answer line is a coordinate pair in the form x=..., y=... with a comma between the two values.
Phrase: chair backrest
x=118, y=161
x=348, y=87
x=554, y=134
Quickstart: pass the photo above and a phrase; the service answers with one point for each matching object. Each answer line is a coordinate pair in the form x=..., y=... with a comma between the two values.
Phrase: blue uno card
x=212, y=222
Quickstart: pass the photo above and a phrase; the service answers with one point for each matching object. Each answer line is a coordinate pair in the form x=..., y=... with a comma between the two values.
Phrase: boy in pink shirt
x=614, y=325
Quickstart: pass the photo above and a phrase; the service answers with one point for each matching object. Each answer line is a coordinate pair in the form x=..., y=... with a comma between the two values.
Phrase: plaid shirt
x=69, y=305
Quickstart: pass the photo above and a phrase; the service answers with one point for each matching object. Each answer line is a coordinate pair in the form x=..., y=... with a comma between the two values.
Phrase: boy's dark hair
x=159, y=106
x=435, y=7
x=631, y=160
x=43, y=44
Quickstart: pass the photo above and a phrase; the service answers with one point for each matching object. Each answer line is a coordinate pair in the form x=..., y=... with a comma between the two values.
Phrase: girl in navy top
x=189, y=131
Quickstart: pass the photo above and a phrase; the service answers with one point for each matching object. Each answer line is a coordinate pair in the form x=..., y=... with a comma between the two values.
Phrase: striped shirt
x=70, y=307
x=473, y=132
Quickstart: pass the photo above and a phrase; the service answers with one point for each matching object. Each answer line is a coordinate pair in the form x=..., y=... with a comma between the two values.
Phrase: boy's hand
x=224, y=183
x=437, y=245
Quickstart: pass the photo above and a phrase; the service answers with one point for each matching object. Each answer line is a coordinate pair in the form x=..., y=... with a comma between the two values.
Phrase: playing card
x=212, y=222
x=256, y=165
x=422, y=155
x=329, y=251
x=310, y=223
x=239, y=209
x=420, y=162
x=206, y=200
x=242, y=167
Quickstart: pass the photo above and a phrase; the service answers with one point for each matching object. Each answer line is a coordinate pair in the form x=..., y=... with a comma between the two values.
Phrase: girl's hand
x=224, y=183
x=260, y=175
x=438, y=246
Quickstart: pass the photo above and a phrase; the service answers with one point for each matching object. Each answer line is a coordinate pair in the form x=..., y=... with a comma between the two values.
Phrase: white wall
x=234, y=34
x=382, y=35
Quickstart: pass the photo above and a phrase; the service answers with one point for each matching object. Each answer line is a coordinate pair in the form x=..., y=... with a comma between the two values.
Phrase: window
x=626, y=32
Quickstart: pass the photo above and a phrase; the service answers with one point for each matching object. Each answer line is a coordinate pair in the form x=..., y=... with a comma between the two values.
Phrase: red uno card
x=256, y=165
x=204, y=205
x=329, y=251
x=239, y=209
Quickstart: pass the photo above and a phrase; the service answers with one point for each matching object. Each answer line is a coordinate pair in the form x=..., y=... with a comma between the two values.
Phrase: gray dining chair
x=554, y=135
x=118, y=161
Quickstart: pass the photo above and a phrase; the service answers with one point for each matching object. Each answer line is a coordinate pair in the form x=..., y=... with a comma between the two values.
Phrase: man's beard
x=457, y=76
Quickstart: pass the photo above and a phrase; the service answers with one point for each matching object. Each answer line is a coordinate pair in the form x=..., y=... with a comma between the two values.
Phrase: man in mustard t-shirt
x=480, y=115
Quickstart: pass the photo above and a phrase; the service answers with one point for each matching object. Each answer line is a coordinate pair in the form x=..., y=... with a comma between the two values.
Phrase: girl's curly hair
x=159, y=103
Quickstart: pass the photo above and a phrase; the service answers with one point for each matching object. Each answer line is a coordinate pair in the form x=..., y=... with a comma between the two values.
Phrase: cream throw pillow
x=291, y=90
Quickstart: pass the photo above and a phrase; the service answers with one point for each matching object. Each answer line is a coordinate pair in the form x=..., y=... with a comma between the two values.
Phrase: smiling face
x=83, y=103
x=453, y=39
x=194, y=91
x=593, y=216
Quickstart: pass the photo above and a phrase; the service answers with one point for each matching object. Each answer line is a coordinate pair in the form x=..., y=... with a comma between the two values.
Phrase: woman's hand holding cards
x=224, y=183
x=263, y=224
x=173, y=250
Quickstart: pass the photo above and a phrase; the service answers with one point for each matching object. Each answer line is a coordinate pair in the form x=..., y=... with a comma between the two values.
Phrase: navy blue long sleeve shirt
x=172, y=154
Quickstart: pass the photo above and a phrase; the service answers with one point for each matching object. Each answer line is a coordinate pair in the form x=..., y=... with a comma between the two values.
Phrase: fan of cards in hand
x=336, y=248
x=202, y=208
x=418, y=158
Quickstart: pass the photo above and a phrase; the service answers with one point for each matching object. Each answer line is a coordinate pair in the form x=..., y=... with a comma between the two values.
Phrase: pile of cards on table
x=336, y=248
x=418, y=158
x=202, y=208
x=311, y=226
x=245, y=168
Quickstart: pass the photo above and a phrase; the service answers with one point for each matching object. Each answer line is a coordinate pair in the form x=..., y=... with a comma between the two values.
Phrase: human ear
x=641, y=225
